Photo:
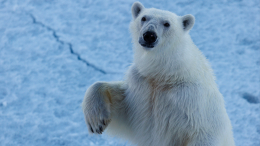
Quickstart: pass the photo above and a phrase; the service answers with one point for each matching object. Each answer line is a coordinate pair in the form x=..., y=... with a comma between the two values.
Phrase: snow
x=52, y=51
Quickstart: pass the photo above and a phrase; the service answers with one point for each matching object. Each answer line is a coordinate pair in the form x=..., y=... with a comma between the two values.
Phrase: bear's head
x=153, y=28
x=162, y=44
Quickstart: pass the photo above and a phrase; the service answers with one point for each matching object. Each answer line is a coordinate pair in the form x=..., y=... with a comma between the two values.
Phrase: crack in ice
x=57, y=38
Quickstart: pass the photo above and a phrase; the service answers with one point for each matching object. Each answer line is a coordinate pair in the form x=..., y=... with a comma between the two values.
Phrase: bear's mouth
x=147, y=45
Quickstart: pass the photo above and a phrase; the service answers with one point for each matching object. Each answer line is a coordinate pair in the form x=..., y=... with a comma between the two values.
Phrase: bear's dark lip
x=147, y=45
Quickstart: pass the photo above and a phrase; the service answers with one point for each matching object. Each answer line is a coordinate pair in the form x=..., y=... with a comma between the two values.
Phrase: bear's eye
x=166, y=24
x=143, y=19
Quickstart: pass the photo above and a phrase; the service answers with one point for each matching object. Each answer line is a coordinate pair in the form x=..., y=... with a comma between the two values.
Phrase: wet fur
x=169, y=98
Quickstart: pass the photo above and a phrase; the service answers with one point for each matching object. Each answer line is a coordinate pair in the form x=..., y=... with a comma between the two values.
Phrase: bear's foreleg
x=100, y=102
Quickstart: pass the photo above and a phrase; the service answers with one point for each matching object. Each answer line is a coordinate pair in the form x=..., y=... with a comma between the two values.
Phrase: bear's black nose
x=150, y=37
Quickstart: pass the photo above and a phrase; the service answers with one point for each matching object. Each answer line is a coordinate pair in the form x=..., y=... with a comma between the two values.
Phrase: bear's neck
x=176, y=63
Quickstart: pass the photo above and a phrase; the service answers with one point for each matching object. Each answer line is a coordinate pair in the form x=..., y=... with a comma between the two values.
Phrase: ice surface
x=51, y=51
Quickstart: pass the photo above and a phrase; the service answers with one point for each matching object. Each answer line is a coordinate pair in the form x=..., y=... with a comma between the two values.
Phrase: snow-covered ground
x=51, y=51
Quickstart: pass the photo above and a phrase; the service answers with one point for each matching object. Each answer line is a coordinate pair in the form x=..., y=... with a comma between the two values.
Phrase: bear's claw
x=97, y=126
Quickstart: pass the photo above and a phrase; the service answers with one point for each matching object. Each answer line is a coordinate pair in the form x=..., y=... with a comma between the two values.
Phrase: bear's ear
x=187, y=22
x=137, y=7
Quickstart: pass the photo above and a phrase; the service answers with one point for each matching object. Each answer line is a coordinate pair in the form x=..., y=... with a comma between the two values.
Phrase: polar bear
x=169, y=96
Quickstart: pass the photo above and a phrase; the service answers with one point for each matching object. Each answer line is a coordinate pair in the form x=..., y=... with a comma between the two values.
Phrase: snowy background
x=51, y=51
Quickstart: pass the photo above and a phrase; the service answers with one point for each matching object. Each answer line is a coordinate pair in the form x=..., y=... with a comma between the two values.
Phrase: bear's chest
x=154, y=107
x=154, y=113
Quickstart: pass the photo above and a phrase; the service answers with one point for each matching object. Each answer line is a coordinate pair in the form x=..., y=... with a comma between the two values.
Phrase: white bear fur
x=169, y=97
